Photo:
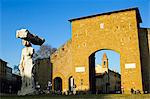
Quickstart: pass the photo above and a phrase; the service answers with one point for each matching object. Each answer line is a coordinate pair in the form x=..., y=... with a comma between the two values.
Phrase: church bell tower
x=104, y=61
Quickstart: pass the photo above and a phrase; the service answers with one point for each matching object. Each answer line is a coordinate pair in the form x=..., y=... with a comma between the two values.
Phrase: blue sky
x=49, y=19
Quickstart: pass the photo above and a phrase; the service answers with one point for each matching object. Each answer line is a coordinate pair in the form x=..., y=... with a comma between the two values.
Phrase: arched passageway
x=58, y=84
x=71, y=84
x=104, y=72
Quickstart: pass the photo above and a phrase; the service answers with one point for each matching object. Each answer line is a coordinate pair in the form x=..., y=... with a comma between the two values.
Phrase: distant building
x=8, y=73
x=3, y=65
x=107, y=81
x=9, y=82
x=43, y=73
x=104, y=67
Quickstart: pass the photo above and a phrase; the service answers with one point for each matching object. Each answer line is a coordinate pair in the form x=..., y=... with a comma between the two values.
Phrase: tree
x=44, y=52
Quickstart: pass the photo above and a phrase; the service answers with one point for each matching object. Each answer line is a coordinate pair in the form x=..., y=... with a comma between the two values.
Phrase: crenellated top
x=60, y=52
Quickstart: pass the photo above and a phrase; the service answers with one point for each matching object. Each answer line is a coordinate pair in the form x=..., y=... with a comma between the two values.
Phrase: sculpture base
x=26, y=91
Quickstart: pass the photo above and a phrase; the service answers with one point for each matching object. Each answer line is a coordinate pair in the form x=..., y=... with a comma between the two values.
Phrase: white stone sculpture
x=26, y=35
x=26, y=62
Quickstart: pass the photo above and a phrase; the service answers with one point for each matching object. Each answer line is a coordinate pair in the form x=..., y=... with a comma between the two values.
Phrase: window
x=102, y=25
x=104, y=62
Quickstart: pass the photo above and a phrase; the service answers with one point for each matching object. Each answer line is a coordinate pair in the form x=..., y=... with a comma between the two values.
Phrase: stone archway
x=58, y=84
x=70, y=84
x=106, y=76
x=118, y=31
x=104, y=31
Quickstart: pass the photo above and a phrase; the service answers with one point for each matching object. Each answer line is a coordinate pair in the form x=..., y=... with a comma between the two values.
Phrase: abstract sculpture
x=26, y=62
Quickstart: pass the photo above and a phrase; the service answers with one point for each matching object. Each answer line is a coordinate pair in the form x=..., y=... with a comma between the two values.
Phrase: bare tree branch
x=44, y=52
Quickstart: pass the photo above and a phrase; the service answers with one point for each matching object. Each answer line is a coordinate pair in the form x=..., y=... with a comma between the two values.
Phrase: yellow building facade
x=117, y=31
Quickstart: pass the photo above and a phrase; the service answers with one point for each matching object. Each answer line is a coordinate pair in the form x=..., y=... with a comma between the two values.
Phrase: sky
x=49, y=19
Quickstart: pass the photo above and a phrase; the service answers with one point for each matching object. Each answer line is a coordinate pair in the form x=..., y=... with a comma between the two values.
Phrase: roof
x=108, y=13
x=3, y=60
x=114, y=72
x=104, y=56
x=8, y=67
